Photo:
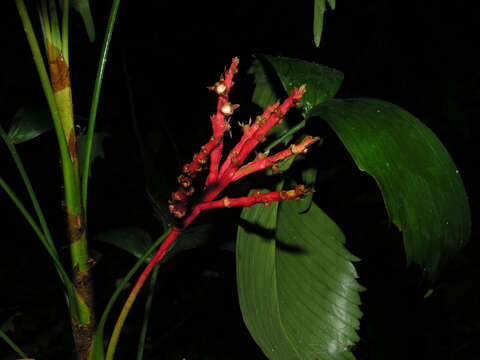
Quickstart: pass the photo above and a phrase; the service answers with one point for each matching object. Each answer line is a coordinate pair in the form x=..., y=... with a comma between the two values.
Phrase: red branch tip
x=219, y=177
x=255, y=198
x=219, y=124
x=264, y=161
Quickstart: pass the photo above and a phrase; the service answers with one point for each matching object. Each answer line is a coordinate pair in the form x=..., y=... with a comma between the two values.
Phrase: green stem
x=146, y=317
x=55, y=27
x=163, y=249
x=95, y=99
x=44, y=23
x=12, y=345
x=66, y=8
x=67, y=166
x=121, y=285
x=28, y=185
x=81, y=297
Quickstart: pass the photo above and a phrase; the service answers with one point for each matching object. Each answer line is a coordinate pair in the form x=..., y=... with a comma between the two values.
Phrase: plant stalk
x=96, y=96
x=59, y=97
x=170, y=239
x=12, y=344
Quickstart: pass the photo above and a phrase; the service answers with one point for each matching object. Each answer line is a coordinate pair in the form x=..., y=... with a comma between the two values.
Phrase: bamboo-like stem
x=47, y=89
x=96, y=95
x=58, y=94
x=12, y=344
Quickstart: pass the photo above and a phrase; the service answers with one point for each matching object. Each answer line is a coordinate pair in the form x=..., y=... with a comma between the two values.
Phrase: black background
x=419, y=55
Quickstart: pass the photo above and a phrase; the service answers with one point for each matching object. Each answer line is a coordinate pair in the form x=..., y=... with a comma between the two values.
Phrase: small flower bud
x=219, y=87
x=227, y=108
x=226, y=202
x=295, y=149
x=263, y=155
x=184, y=181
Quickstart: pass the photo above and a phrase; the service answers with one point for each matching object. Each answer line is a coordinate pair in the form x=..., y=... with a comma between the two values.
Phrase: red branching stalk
x=255, y=198
x=231, y=170
x=264, y=161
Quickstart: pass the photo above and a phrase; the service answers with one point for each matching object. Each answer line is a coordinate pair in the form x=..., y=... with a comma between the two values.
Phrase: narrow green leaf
x=28, y=123
x=420, y=184
x=83, y=7
x=297, y=285
x=318, y=12
x=12, y=344
x=332, y=4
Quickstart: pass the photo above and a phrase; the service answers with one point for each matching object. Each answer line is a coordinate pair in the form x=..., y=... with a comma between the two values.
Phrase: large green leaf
x=420, y=184
x=297, y=285
x=28, y=123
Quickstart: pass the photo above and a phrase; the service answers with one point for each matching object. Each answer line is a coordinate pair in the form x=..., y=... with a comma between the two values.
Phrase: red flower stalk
x=230, y=171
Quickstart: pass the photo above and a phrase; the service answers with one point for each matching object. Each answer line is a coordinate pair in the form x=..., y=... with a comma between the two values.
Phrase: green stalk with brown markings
x=59, y=96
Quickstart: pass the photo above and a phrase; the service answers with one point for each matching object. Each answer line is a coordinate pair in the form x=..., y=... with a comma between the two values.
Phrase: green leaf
x=264, y=93
x=322, y=82
x=309, y=176
x=137, y=241
x=97, y=149
x=83, y=7
x=420, y=184
x=318, y=11
x=28, y=123
x=133, y=240
x=296, y=282
x=196, y=237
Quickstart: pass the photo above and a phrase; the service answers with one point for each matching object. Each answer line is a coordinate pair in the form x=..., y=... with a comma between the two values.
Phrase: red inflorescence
x=219, y=177
x=231, y=169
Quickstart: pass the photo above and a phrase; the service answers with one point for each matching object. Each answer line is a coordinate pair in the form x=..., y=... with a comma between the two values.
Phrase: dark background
x=419, y=55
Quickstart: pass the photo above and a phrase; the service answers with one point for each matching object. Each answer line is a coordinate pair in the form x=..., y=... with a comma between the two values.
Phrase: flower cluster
x=221, y=175
x=231, y=170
